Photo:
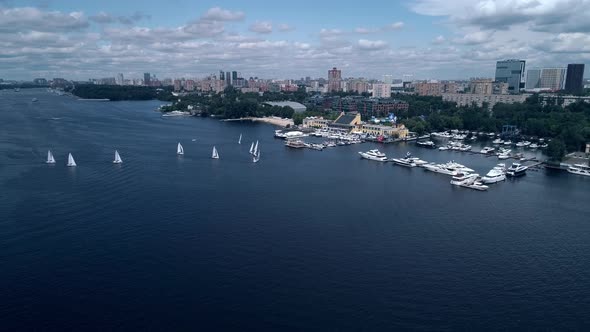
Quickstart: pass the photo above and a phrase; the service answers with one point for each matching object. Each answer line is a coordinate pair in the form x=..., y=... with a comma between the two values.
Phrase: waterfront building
x=38, y=81
x=334, y=79
x=346, y=122
x=574, y=78
x=315, y=122
x=466, y=99
x=511, y=72
x=381, y=90
x=396, y=131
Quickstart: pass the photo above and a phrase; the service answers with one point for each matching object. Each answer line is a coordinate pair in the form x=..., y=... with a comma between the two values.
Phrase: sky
x=428, y=39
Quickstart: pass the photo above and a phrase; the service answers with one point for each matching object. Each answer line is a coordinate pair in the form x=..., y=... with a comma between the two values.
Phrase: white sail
x=179, y=149
x=50, y=159
x=215, y=155
x=71, y=162
x=256, y=157
x=252, y=148
x=240, y=139
x=118, y=159
x=255, y=148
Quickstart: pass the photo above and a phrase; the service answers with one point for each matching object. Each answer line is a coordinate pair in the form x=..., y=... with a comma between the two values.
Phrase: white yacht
x=463, y=178
x=503, y=156
x=496, y=174
x=426, y=144
x=443, y=148
x=534, y=146
x=240, y=139
x=417, y=161
x=256, y=157
x=118, y=159
x=458, y=167
x=440, y=168
x=50, y=159
x=214, y=154
x=179, y=149
x=516, y=170
x=520, y=144
x=406, y=161
x=507, y=142
x=579, y=169
x=373, y=155
x=487, y=150
x=498, y=141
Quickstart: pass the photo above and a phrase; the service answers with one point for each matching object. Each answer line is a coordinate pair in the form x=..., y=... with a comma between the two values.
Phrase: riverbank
x=274, y=120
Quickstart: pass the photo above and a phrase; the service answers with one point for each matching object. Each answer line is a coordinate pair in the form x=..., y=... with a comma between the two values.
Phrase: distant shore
x=274, y=120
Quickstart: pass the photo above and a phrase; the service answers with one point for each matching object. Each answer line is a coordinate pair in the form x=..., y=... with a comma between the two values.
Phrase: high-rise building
x=552, y=79
x=221, y=75
x=234, y=76
x=119, y=79
x=387, y=79
x=481, y=86
x=334, y=78
x=177, y=85
x=511, y=72
x=574, y=81
x=382, y=90
x=228, y=78
x=147, y=78
x=533, y=79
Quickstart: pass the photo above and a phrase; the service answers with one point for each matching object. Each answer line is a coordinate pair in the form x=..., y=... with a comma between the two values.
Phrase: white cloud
x=439, y=39
x=220, y=14
x=365, y=31
x=285, y=27
x=28, y=18
x=372, y=44
x=396, y=25
x=261, y=27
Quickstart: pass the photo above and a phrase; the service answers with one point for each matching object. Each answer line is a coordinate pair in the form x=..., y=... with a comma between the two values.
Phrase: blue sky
x=428, y=39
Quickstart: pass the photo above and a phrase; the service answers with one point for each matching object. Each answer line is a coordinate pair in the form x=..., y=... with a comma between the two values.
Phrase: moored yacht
x=294, y=143
x=579, y=169
x=487, y=150
x=516, y=169
x=373, y=155
x=426, y=144
x=406, y=161
x=496, y=174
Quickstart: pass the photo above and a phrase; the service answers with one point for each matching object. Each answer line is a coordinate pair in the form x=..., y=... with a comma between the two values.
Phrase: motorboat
x=520, y=144
x=496, y=174
x=426, y=144
x=292, y=143
x=579, y=169
x=503, y=156
x=407, y=161
x=458, y=167
x=417, y=161
x=534, y=146
x=374, y=154
x=443, y=148
x=516, y=169
x=440, y=168
x=498, y=141
x=507, y=143
x=487, y=150
x=463, y=178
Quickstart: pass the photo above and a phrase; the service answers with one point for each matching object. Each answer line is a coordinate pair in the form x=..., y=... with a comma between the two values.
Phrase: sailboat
x=252, y=148
x=240, y=139
x=179, y=149
x=50, y=159
x=118, y=159
x=256, y=157
x=255, y=148
x=215, y=155
x=71, y=162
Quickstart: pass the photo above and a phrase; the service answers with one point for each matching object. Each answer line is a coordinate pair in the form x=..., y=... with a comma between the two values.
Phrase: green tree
x=556, y=149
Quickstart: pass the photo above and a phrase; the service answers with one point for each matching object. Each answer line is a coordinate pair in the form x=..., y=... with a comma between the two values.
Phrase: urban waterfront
x=302, y=240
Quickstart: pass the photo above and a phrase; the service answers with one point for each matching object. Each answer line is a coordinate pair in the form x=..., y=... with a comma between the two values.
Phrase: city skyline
x=427, y=39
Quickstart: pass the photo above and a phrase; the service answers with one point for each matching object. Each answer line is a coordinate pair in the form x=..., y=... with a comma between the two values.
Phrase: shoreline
x=271, y=119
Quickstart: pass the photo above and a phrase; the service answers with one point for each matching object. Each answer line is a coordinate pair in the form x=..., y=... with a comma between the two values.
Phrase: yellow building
x=315, y=122
x=396, y=131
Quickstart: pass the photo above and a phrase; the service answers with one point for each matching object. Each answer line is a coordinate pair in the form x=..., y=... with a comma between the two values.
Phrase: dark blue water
x=302, y=240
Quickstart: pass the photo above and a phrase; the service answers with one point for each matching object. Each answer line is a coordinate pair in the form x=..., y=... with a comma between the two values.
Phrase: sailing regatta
x=118, y=159
x=252, y=148
x=255, y=148
x=214, y=154
x=179, y=149
x=71, y=162
x=240, y=139
x=50, y=159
